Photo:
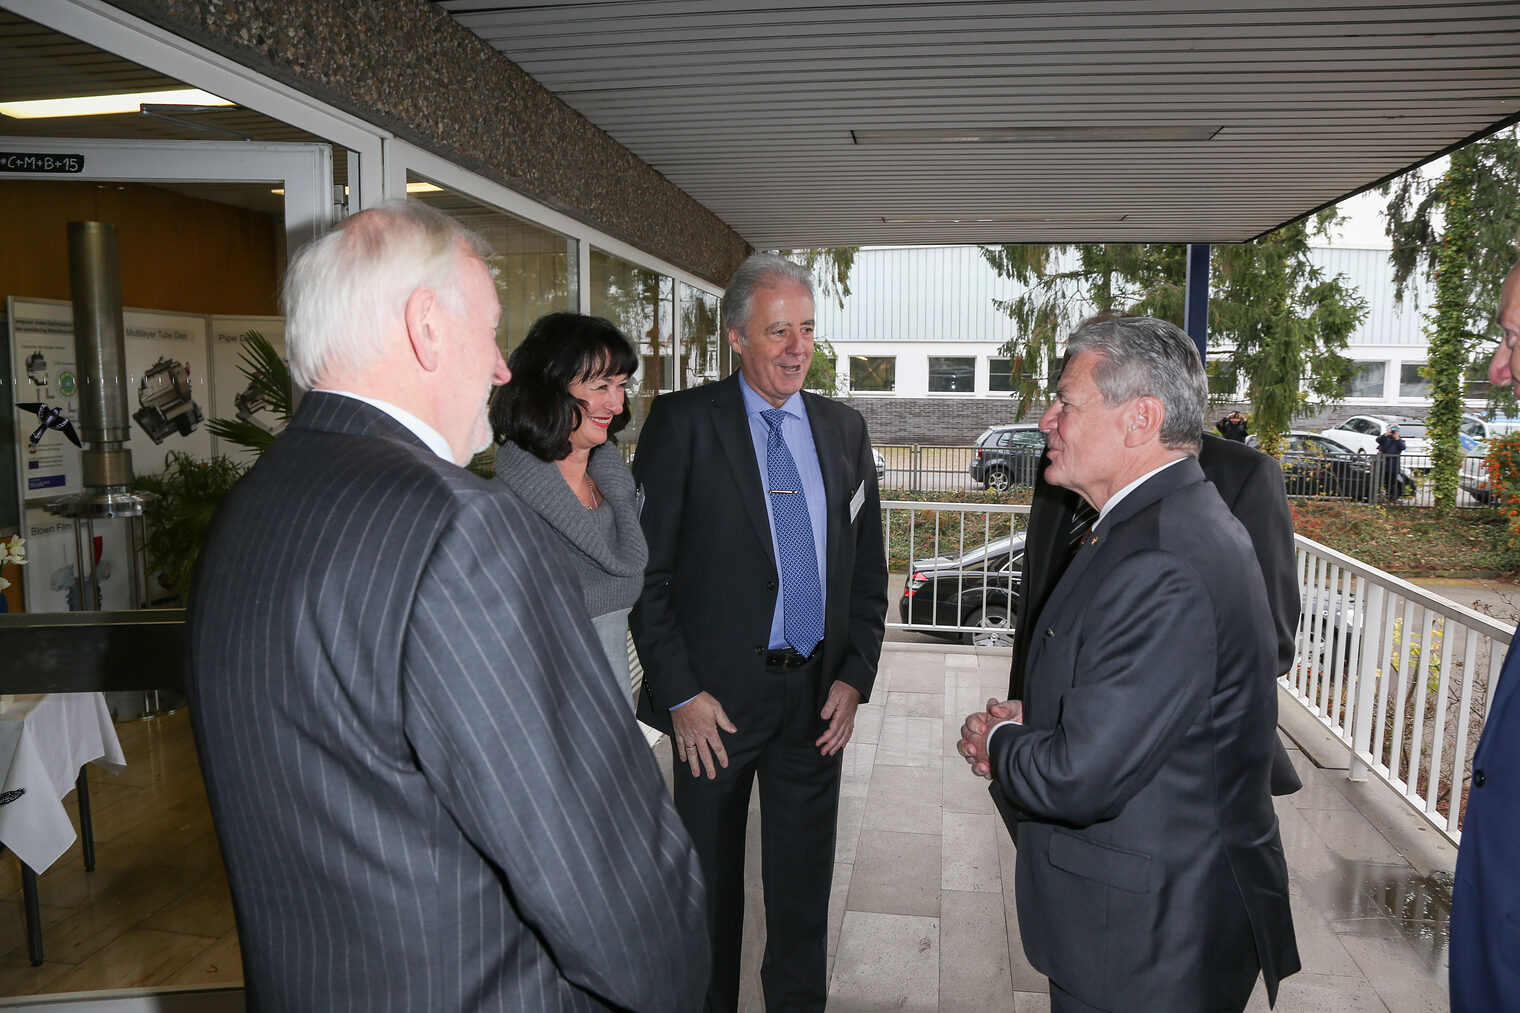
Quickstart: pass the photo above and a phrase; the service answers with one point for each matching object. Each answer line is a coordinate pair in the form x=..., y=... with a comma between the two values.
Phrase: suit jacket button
x=770, y=585
x=1478, y=779
x=1049, y=632
x=759, y=650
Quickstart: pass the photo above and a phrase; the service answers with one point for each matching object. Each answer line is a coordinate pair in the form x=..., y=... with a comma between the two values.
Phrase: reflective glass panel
x=535, y=267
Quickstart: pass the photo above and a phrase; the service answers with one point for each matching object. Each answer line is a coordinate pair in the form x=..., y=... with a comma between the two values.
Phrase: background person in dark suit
x=1485, y=897
x=428, y=790
x=1150, y=873
x=764, y=530
x=1233, y=427
x=1251, y=485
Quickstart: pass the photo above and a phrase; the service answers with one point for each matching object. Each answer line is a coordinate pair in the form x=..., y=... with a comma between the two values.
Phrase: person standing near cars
x=1234, y=427
x=1390, y=445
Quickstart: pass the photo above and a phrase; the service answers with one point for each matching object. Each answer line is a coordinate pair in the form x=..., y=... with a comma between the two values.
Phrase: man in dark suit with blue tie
x=1485, y=898
x=761, y=621
x=1150, y=874
x=428, y=793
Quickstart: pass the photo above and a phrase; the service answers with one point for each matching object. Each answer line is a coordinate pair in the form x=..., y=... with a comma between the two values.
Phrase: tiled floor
x=924, y=916
x=922, y=912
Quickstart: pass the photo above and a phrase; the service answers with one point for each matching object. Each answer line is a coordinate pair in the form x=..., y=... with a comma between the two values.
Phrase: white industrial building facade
x=923, y=324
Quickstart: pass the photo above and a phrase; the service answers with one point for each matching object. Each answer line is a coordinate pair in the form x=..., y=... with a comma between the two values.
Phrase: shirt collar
x=418, y=428
x=1113, y=500
x=754, y=404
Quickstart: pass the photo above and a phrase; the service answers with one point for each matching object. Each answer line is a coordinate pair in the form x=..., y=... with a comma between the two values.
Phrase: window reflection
x=535, y=267
x=641, y=302
x=705, y=355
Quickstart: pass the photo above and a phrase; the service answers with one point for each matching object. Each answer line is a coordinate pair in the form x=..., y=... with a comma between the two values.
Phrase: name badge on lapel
x=857, y=501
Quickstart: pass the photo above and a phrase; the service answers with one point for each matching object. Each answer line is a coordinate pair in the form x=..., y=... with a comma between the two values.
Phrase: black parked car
x=1315, y=465
x=1007, y=456
x=978, y=588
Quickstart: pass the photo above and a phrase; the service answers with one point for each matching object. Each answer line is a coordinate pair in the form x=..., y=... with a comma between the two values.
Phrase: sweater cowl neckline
x=617, y=548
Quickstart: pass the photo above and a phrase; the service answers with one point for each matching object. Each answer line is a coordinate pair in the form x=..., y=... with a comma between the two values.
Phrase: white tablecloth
x=44, y=740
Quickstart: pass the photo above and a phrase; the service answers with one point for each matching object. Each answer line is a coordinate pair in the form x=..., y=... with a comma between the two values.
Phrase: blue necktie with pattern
x=801, y=595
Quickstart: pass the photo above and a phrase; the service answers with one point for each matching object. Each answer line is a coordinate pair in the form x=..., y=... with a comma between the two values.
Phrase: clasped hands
x=696, y=725
x=973, y=743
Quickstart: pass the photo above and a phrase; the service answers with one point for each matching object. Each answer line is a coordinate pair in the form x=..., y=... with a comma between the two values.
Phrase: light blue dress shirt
x=798, y=434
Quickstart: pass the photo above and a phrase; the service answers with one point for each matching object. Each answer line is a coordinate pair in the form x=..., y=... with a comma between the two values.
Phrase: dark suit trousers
x=799, y=804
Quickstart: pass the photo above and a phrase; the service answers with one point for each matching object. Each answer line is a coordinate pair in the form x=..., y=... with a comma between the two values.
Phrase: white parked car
x=1360, y=433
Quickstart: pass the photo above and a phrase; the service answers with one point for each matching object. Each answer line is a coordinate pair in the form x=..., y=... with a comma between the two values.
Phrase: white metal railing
x=1402, y=676
x=960, y=587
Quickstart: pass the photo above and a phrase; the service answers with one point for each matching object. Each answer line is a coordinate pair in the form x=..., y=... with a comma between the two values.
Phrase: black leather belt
x=790, y=657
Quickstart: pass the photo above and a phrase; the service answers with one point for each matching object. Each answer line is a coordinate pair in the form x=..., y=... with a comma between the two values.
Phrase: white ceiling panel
x=756, y=109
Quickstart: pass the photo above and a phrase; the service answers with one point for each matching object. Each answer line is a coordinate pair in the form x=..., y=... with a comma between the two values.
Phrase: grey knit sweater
x=608, y=558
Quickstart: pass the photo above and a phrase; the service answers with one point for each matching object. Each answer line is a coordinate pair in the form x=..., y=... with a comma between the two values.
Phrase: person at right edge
x=1150, y=874
x=1485, y=897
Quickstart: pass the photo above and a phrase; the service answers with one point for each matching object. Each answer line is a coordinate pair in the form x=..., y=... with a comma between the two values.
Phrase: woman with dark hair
x=556, y=423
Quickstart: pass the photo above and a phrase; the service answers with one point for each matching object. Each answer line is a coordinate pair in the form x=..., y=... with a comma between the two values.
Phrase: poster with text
x=42, y=353
x=53, y=577
x=167, y=385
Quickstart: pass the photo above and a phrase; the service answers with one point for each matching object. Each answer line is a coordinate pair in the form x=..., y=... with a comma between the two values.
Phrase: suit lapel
x=731, y=423
x=829, y=445
x=1156, y=487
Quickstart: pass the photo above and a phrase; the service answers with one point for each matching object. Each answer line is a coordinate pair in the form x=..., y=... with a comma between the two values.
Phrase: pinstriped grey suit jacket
x=428, y=793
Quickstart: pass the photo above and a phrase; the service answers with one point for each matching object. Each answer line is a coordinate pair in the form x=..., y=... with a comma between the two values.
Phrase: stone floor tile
x=973, y=965
x=905, y=799
x=847, y=833
x=1318, y=993
x=859, y=759
x=1402, y=983
x=971, y=853
x=963, y=791
x=909, y=741
x=868, y=722
x=917, y=705
x=923, y=673
x=1349, y=835
x=1031, y=1002
x=886, y=962
x=896, y=873
x=839, y=893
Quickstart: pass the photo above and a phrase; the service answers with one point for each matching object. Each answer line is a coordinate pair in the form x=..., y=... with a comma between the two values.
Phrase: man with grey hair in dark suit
x=1150, y=875
x=761, y=621
x=428, y=792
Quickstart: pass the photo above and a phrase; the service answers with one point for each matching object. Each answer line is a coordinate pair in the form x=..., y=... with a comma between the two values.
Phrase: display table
x=45, y=740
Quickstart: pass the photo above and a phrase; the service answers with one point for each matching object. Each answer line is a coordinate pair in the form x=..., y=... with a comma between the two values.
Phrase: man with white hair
x=427, y=792
x=1150, y=875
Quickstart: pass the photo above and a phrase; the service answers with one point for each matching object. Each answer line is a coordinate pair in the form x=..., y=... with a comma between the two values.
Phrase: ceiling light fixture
x=1033, y=135
x=107, y=105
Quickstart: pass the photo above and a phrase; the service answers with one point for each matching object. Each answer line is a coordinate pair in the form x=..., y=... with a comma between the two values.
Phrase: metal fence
x=1401, y=676
x=1364, y=478
x=953, y=567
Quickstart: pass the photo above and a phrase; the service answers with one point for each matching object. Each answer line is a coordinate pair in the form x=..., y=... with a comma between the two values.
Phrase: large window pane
x=873, y=373
x=952, y=374
x=642, y=303
x=535, y=267
x=705, y=355
x=1411, y=383
x=1367, y=381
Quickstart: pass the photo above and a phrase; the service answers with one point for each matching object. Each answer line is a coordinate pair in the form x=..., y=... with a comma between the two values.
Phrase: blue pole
x=1195, y=314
